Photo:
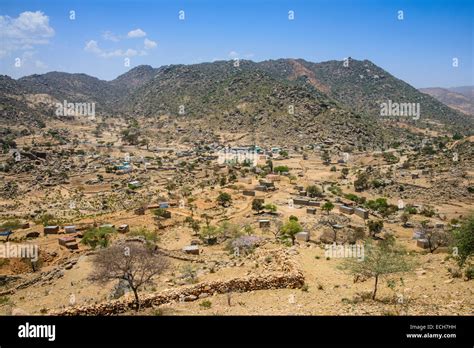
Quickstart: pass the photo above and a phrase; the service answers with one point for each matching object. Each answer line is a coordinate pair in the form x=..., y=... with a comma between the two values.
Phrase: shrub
x=11, y=224
x=281, y=169
x=206, y=304
x=469, y=272
x=98, y=236
x=150, y=236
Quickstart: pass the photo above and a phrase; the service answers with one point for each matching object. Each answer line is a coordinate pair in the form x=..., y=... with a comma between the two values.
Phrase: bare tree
x=436, y=238
x=134, y=262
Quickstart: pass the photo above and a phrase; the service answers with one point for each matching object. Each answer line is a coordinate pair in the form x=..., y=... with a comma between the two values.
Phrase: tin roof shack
x=68, y=242
x=346, y=210
x=268, y=184
x=70, y=229
x=107, y=226
x=249, y=193
x=300, y=201
x=314, y=204
x=302, y=193
x=273, y=177
x=123, y=228
x=263, y=223
x=311, y=211
x=51, y=230
x=422, y=243
x=163, y=205
x=162, y=213
x=6, y=234
x=191, y=249
x=134, y=184
x=362, y=213
x=302, y=236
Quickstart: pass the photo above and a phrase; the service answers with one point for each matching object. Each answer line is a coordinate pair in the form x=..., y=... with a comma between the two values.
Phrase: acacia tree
x=375, y=226
x=405, y=218
x=257, y=205
x=463, y=241
x=380, y=259
x=224, y=199
x=436, y=238
x=290, y=229
x=134, y=262
x=328, y=206
x=313, y=191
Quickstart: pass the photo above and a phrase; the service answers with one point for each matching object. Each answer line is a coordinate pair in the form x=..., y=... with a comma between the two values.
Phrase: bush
x=281, y=169
x=410, y=209
x=10, y=224
x=469, y=272
x=98, y=236
x=150, y=236
x=206, y=304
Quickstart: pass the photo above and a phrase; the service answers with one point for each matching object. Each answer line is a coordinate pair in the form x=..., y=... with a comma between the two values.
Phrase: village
x=245, y=228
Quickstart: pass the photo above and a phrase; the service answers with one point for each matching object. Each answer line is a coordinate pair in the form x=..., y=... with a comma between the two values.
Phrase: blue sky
x=418, y=49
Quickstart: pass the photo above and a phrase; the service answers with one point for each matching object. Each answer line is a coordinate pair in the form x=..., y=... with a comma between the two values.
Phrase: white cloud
x=108, y=35
x=24, y=32
x=40, y=65
x=149, y=44
x=136, y=33
x=233, y=54
x=93, y=47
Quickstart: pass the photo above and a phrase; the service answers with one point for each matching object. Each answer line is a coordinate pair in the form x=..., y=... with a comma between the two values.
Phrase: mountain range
x=284, y=98
x=458, y=98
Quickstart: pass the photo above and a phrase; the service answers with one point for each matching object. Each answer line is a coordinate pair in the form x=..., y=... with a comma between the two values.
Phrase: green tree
x=257, y=205
x=345, y=172
x=290, y=229
x=375, y=226
x=224, y=199
x=328, y=206
x=463, y=240
x=271, y=207
x=313, y=191
x=405, y=217
x=361, y=183
x=381, y=259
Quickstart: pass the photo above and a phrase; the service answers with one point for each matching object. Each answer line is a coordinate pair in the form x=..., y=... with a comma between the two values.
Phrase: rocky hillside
x=281, y=99
x=362, y=86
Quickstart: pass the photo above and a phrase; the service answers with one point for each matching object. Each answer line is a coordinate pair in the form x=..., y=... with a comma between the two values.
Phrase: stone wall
x=288, y=277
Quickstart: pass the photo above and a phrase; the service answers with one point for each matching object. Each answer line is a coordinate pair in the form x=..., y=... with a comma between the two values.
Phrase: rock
x=68, y=266
x=190, y=298
x=204, y=295
x=449, y=281
x=19, y=311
